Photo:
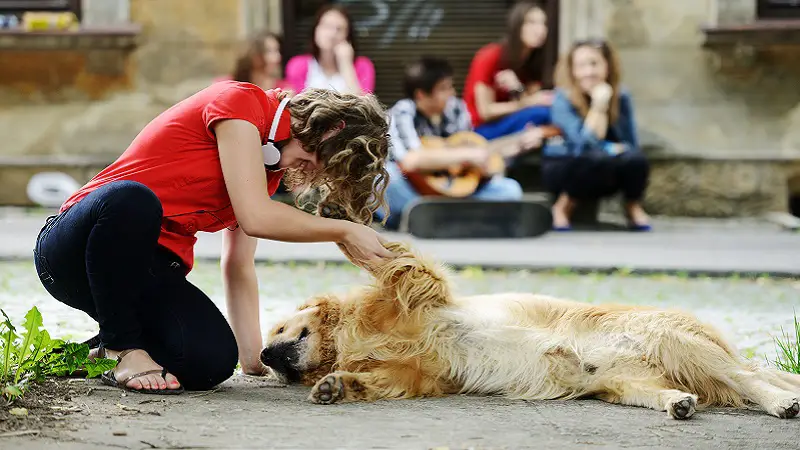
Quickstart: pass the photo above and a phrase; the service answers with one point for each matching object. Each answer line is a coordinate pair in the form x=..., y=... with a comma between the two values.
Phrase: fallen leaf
x=18, y=412
x=119, y=433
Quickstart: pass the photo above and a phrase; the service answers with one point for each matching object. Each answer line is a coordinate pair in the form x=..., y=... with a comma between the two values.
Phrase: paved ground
x=743, y=246
x=250, y=413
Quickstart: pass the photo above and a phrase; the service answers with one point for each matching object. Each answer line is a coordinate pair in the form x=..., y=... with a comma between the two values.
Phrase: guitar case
x=450, y=218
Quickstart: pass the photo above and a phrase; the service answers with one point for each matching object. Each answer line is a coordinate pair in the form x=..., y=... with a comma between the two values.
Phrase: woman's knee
x=500, y=189
x=635, y=161
x=211, y=361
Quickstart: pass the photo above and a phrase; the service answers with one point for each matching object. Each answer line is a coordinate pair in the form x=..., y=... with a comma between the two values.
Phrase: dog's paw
x=328, y=390
x=682, y=407
x=786, y=408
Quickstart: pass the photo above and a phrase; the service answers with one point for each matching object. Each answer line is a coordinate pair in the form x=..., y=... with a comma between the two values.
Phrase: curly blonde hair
x=566, y=79
x=352, y=171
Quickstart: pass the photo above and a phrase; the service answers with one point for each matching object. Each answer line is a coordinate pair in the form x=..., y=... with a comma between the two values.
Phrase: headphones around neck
x=270, y=152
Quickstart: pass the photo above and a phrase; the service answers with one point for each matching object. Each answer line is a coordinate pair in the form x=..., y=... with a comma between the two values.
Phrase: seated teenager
x=432, y=109
x=598, y=153
x=261, y=62
x=334, y=62
x=503, y=89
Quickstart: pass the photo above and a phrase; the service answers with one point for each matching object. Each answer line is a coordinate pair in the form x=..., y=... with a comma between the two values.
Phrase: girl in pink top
x=260, y=63
x=332, y=63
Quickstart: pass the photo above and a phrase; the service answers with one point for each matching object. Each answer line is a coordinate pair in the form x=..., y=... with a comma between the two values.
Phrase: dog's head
x=301, y=348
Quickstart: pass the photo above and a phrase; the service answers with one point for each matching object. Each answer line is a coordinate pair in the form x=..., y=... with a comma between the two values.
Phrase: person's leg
x=183, y=330
x=499, y=189
x=515, y=122
x=583, y=179
x=632, y=173
x=96, y=257
x=399, y=193
x=554, y=172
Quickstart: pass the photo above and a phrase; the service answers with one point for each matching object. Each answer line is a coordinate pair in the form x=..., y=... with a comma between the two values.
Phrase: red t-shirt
x=488, y=61
x=176, y=156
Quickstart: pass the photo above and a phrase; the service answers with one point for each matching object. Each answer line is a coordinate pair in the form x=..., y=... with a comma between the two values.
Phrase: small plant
x=35, y=355
x=788, y=348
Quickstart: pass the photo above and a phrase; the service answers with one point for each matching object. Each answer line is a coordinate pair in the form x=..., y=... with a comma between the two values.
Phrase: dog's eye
x=303, y=334
x=280, y=330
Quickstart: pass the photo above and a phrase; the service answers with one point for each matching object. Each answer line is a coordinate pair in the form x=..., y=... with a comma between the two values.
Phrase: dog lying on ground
x=407, y=336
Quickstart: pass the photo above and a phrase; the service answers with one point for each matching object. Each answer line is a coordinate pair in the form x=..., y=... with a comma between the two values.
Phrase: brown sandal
x=110, y=377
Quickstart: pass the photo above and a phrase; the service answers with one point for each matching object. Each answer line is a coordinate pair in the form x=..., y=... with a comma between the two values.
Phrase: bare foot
x=636, y=214
x=139, y=361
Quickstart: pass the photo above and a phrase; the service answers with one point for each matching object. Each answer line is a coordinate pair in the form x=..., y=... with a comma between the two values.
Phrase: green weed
x=788, y=349
x=31, y=356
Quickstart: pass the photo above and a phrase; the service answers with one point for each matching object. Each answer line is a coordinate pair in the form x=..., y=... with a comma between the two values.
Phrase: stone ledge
x=66, y=161
x=756, y=33
x=118, y=37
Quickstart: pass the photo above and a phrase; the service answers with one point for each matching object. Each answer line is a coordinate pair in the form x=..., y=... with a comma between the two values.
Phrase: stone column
x=732, y=12
x=259, y=15
x=104, y=13
x=580, y=19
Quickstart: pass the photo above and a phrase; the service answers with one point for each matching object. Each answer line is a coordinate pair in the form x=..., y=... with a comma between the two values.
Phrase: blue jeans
x=515, y=122
x=101, y=256
x=400, y=193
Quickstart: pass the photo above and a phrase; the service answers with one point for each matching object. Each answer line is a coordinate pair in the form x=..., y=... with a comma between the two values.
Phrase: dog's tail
x=411, y=280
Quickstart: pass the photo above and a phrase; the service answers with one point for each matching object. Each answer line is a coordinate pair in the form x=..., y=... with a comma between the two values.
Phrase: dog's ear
x=411, y=280
x=328, y=307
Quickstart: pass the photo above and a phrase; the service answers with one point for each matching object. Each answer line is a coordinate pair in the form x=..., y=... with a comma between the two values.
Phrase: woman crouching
x=598, y=153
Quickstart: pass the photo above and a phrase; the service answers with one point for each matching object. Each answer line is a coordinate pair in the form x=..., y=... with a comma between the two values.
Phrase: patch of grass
x=563, y=271
x=31, y=356
x=473, y=272
x=788, y=348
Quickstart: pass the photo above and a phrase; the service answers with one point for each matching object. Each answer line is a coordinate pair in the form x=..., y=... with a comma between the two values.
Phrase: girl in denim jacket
x=598, y=153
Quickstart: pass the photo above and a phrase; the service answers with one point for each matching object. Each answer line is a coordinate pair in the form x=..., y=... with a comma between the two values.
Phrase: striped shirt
x=408, y=124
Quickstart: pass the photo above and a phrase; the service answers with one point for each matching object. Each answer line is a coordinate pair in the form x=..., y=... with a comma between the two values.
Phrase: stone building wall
x=726, y=116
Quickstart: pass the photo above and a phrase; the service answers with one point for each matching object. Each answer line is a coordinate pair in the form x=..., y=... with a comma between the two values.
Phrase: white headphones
x=271, y=153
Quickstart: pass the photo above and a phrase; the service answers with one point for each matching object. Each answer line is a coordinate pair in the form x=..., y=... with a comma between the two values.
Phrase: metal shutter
x=393, y=33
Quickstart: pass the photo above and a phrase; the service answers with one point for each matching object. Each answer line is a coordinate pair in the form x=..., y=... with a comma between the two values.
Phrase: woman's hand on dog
x=363, y=245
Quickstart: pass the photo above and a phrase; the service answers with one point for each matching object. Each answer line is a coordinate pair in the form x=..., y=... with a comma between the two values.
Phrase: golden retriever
x=406, y=335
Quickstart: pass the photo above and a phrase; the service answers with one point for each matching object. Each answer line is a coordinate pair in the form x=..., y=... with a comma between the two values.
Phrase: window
x=778, y=9
x=18, y=7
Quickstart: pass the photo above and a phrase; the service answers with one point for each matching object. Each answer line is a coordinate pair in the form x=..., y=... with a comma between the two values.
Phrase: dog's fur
x=407, y=336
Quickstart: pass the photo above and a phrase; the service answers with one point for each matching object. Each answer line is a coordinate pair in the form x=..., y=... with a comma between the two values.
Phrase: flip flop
x=109, y=378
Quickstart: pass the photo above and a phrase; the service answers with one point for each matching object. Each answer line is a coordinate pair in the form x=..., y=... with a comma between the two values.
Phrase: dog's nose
x=268, y=357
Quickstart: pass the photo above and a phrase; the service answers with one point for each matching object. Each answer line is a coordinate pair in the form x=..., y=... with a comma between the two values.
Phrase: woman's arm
x=365, y=72
x=488, y=108
x=241, y=297
x=579, y=135
x=628, y=120
x=239, y=153
x=349, y=68
x=259, y=216
x=296, y=72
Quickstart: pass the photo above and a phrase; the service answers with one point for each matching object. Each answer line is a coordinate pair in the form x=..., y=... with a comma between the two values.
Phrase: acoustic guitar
x=463, y=180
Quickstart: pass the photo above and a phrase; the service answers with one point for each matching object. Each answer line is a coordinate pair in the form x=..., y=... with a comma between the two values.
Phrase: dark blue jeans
x=514, y=122
x=102, y=257
x=595, y=176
